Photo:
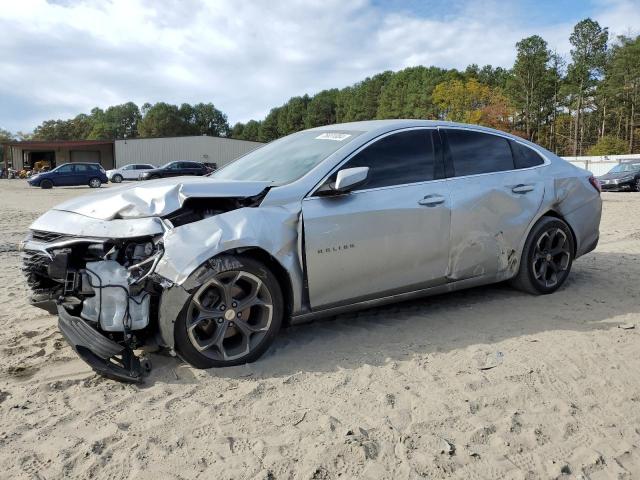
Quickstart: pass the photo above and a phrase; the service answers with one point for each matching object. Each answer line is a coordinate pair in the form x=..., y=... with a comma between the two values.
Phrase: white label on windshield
x=338, y=137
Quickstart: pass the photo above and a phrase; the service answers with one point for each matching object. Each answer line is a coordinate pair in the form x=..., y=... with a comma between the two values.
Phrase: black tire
x=46, y=184
x=541, y=270
x=117, y=178
x=637, y=185
x=95, y=182
x=154, y=177
x=189, y=329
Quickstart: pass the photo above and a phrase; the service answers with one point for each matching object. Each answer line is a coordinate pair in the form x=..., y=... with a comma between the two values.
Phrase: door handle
x=431, y=200
x=522, y=188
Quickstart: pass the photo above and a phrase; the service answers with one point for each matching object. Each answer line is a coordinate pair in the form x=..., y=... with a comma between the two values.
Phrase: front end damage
x=117, y=281
x=103, y=293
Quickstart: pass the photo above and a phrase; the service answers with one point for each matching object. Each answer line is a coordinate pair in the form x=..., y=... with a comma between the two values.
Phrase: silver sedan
x=320, y=222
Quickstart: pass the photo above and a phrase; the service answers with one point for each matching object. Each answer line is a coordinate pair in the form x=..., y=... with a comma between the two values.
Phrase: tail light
x=596, y=183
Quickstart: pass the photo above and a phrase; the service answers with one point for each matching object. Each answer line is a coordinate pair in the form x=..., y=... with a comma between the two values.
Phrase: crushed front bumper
x=103, y=355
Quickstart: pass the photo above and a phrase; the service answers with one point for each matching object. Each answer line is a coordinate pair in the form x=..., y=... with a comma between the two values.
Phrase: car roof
x=79, y=163
x=383, y=126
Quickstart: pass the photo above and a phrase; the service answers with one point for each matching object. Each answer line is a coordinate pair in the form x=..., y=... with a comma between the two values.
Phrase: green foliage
x=321, y=109
x=129, y=121
x=589, y=55
x=608, y=145
x=530, y=85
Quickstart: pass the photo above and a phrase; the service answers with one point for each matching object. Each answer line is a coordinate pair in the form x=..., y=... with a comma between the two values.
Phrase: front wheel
x=117, y=178
x=232, y=317
x=46, y=184
x=546, y=258
x=95, y=183
x=637, y=185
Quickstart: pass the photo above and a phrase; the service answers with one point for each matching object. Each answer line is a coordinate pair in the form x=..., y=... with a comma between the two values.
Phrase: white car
x=128, y=172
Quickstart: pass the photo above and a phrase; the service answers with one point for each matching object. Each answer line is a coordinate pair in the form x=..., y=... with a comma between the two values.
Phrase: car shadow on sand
x=601, y=290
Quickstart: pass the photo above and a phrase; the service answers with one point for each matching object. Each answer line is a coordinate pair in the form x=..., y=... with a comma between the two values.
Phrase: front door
x=65, y=175
x=389, y=236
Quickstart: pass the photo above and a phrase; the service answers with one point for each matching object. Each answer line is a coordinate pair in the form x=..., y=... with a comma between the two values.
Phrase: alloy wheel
x=229, y=315
x=94, y=183
x=552, y=256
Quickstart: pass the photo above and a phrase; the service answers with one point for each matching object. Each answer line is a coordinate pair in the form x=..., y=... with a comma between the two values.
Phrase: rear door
x=493, y=201
x=192, y=168
x=389, y=236
x=82, y=174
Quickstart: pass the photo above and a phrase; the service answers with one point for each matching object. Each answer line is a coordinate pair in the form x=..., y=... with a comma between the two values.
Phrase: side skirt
x=306, y=317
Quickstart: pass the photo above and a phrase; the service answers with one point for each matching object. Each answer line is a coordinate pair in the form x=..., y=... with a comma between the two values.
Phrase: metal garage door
x=92, y=156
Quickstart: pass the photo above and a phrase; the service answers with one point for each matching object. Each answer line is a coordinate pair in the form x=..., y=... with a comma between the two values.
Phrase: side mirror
x=350, y=178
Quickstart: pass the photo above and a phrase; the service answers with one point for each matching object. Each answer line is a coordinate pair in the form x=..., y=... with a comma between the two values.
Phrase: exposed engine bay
x=106, y=284
x=110, y=285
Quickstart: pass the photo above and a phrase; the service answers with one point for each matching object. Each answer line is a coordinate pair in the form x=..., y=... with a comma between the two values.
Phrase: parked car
x=175, y=169
x=321, y=222
x=625, y=176
x=69, y=174
x=128, y=172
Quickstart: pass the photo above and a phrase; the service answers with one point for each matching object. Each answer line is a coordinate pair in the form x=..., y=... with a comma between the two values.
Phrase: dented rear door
x=491, y=210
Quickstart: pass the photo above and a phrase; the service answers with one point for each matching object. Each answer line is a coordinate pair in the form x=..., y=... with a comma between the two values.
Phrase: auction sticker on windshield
x=338, y=137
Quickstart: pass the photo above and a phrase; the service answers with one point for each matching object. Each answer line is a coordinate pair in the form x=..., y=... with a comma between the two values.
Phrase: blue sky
x=63, y=57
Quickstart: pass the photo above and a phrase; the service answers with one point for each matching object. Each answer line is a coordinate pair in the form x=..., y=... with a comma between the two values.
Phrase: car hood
x=156, y=197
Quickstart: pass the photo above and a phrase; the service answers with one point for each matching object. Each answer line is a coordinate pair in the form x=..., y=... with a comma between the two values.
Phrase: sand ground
x=389, y=393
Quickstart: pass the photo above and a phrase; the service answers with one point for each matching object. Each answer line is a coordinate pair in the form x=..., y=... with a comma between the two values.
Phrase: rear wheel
x=46, y=184
x=546, y=258
x=232, y=317
x=117, y=178
x=95, y=182
x=637, y=185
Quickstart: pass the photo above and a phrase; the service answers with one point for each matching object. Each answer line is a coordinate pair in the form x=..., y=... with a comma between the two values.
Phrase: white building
x=158, y=151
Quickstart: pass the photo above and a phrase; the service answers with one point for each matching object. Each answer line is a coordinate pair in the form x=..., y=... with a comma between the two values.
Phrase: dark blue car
x=68, y=174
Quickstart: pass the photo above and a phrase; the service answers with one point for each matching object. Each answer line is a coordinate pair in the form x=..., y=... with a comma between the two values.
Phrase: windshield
x=170, y=165
x=625, y=167
x=287, y=159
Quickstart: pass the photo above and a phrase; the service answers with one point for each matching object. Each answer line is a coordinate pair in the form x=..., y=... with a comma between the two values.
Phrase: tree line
x=584, y=104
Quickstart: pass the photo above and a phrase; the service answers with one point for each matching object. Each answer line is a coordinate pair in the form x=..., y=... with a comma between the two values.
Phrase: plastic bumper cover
x=103, y=355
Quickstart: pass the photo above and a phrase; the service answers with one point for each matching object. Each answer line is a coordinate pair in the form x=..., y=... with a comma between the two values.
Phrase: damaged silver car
x=317, y=223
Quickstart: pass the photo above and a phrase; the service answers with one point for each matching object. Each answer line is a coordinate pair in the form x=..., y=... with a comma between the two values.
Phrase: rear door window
x=525, y=157
x=473, y=152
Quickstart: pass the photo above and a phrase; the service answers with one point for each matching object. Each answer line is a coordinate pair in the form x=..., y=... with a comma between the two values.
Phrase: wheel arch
x=547, y=213
x=281, y=274
x=173, y=299
x=554, y=214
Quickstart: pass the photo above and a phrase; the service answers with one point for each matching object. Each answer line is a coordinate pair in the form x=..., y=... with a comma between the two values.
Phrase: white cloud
x=63, y=57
